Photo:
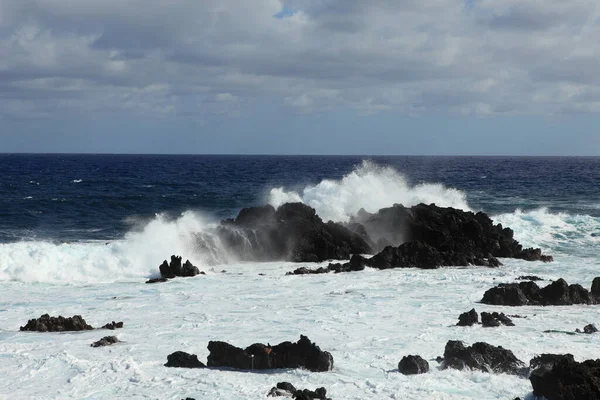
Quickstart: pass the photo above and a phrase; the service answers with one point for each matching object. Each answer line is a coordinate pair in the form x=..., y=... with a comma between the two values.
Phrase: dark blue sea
x=63, y=197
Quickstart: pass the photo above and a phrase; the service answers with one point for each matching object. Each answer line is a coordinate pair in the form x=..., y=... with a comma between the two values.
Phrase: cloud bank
x=190, y=58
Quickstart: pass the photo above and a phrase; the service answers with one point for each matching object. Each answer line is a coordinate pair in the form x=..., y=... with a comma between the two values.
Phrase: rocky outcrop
x=286, y=389
x=293, y=232
x=106, y=341
x=175, y=268
x=46, y=323
x=481, y=356
x=558, y=293
x=529, y=278
x=567, y=379
x=462, y=237
x=413, y=365
x=113, y=325
x=468, y=318
x=181, y=359
x=302, y=354
x=588, y=329
x=492, y=320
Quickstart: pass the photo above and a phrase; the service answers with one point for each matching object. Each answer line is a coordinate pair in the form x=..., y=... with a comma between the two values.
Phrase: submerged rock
x=113, y=325
x=46, y=323
x=303, y=354
x=481, y=356
x=413, y=365
x=181, y=359
x=556, y=293
x=529, y=278
x=157, y=280
x=106, y=341
x=286, y=389
x=469, y=318
x=588, y=329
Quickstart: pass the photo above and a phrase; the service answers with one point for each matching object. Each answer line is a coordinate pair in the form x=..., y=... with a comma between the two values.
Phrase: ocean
x=79, y=234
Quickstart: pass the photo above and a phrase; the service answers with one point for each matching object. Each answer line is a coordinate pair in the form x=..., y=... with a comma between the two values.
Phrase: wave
x=136, y=256
x=556, y=232
x=371, y=187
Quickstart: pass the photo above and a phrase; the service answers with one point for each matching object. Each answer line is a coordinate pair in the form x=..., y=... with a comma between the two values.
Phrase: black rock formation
x=46, y=323
x=567, y=379
x=286, y=389
x=469, y=318
x=413, y=365
x=113, y=325
x=529, y=278
x=303, y=354
x=175, y=269
x=490, y=320
x=558, y=293
x=180, y=359
x=293, y=232
x=481, y=356
x=105, y=341
x=589, y=329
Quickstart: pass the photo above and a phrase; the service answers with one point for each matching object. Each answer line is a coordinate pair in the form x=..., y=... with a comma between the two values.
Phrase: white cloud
x=167, y=58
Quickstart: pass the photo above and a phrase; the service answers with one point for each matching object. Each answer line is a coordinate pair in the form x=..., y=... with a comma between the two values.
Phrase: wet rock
x=157, y=280
x=180, y=359
x=495, y=319
x=568, y=379
x=529, y=278
x=302, y=354
x=286, y=389
x=113, y=325
x=556, y=293
x=46, y=323
x=293, y=232
x=175, y=268
x=413, y=365
x=588, y=329
x=105, y=341
x=546, y=361
x=481, y=356
x=469, y=318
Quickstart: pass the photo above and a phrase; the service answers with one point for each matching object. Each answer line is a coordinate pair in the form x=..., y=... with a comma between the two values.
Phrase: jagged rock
x=105, y=341
x=556, y=293
x=282, y=389
x=495, y=319
x=258, y=356
x=174, y=269
x=481, y=356
x=469, y=318
x=357, y=263
x=181, y=359
x=46, y=323
x=113, y=325
x=588, y=329
x=413, y=365
x=288, y=390
x=547, y=361
x=293, y=232
x=568, y=380
x=529, y=278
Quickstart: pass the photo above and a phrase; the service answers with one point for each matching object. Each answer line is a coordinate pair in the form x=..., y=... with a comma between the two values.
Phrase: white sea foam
x=135, y=256
x=371, y=187
x=558, y=232
x=77, y=180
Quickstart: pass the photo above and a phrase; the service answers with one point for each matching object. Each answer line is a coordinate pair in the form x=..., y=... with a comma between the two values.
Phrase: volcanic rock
x=413, y=365
x=157, y=280
x=529, y=278
x=557, y=293
x=469, y=318
x=568, y=380
x=113, y=325
x=288, y=390
x=180, y=359
x=481, y=356
x=46, y=323
x=589, y=329
x=293, y=232
x=258, y=356
x=105, y=341
x=495, y=319
x=175, y=269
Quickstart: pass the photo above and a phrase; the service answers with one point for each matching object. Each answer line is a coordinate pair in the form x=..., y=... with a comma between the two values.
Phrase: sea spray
x=371, y=187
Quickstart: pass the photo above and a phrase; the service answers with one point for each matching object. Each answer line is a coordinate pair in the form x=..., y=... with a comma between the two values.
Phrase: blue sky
x=491, y=77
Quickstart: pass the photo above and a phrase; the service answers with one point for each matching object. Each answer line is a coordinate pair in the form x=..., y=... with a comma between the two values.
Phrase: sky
x=447, y=77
